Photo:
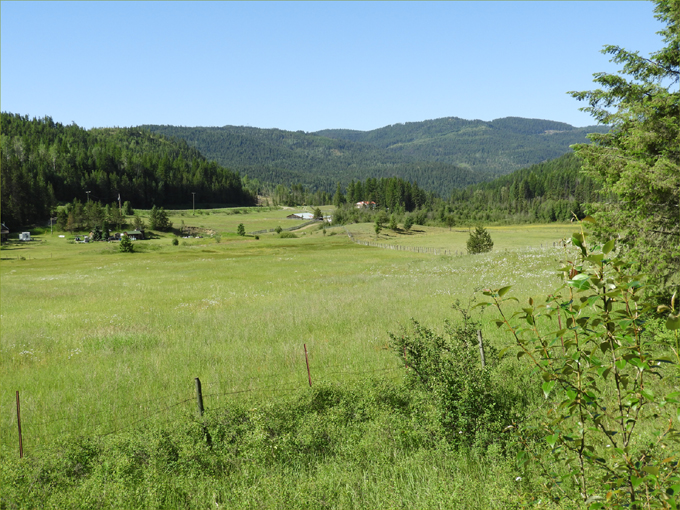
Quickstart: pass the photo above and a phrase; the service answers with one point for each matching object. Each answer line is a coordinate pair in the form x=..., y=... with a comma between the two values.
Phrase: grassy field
x=98, y=341
x=87, y=332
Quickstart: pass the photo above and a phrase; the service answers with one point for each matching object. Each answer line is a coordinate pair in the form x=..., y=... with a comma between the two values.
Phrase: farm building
x=365, y=205
x=135, y=235
x=301, y=216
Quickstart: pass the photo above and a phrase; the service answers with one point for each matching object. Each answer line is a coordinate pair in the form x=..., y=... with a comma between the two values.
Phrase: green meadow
x=99, y=342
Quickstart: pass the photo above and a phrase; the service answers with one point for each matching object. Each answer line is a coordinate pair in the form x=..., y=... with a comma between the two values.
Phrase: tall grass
x=98, y=341
x=91, y=330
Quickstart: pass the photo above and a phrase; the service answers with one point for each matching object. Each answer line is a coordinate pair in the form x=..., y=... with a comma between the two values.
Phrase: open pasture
x=95, y=339
x=226, y=221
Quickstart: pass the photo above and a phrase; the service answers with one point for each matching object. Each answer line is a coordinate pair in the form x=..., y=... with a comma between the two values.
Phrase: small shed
x=135, y=235
x=5, y=233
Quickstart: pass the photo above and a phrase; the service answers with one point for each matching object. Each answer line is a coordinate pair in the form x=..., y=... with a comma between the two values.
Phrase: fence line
x=398, y=247
x=150, y=411
x=289, y=229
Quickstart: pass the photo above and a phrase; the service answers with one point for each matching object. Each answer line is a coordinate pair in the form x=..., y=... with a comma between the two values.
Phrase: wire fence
x=289, y=229
x=38, y=435
x=398, y=247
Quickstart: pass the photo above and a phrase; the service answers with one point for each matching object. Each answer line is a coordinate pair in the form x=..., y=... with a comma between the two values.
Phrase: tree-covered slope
x=44, y=162
x=441, y=154
x=287, y=157
x=496, y=147
x=549, y=191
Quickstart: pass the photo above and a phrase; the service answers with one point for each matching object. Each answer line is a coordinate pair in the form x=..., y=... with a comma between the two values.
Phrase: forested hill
x=441, y=155
x=317, y=162
x=43, y=162
x=549, y=191
x=499, y=147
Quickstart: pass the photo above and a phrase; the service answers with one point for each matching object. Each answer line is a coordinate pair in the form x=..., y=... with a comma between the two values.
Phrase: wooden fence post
x=309, y=374
x=481, y=347
x=21, y=444
x=199, y=396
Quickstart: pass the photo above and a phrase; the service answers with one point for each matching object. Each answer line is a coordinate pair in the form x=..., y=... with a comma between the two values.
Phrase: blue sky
x=308, y=65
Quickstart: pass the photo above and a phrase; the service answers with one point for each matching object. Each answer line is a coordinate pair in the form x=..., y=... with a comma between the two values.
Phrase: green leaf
x=520, y=354
x=673, y=322
x=673, y=397
x=608, y=246
x=648, y=394
x=595, y=259
x=481, y=304
x=547, y=387
x=652, y=470
x=551, y=440
x=590, y=219
x=621, y=364
x=502, y=291
x=635, y=481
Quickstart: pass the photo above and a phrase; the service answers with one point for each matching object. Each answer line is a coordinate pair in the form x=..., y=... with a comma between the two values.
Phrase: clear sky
x=309, y=65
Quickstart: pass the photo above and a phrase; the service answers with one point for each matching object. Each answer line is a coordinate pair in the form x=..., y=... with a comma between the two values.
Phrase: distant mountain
x=496, y=147
x=441, y=155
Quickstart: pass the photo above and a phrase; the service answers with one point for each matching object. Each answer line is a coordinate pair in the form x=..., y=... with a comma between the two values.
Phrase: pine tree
x=479, y=241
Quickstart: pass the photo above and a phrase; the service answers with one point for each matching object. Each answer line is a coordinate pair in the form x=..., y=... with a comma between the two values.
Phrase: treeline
x=551, y=191
x=45, y=163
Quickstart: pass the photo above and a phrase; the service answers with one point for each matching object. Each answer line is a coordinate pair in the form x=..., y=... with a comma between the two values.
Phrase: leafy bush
x=278, y=229
x=473, y=409
x=175, y=241
x=241, y=230
x=126, y=245
x=609, y=423
x=479, y=241
x=287, y=235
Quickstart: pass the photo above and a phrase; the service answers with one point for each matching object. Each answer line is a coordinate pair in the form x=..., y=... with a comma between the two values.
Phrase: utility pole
x=193, y=202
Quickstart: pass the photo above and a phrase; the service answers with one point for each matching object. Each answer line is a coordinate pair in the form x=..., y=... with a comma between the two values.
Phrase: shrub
x=278, y=229
x=393, y=223
x=479, y=241
x=175, y=241
x=408, y=222
x=241, y=230
x=473, y=410
x=126, y=245
x=158, y=219
x=287, y=235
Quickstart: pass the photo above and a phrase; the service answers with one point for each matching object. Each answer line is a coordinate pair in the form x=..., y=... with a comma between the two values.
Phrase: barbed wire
x=87, y=423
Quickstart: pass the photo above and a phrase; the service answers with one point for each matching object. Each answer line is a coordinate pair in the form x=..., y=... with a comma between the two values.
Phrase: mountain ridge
x=457, y=151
